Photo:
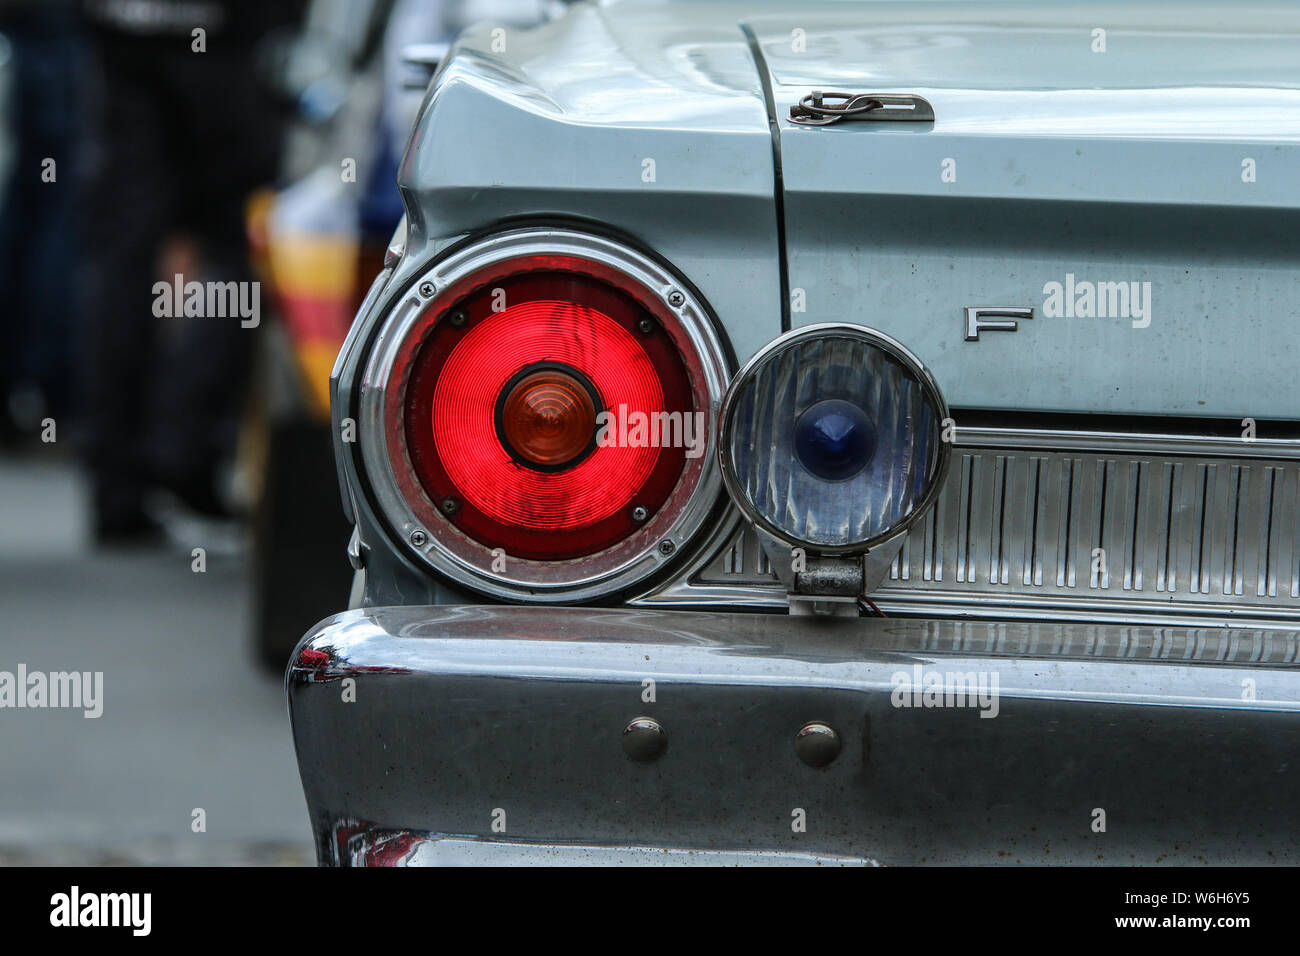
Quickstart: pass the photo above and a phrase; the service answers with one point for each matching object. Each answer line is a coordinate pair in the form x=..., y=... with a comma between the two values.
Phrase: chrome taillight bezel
x=415, y=521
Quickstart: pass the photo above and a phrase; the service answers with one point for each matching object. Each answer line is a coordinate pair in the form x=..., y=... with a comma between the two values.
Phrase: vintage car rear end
x=739, y=485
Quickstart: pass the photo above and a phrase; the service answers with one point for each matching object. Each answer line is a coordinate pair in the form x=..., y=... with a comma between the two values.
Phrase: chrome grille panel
x=1082, y=525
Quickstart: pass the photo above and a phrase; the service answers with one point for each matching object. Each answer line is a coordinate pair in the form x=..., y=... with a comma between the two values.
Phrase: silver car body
x=1133, y=147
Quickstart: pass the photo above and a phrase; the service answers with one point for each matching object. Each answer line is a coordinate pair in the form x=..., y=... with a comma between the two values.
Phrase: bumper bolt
x=676, y=299
x=666, y=547
x=644, y=740
x=418, y=538
x=427, y=289
x=817, y=744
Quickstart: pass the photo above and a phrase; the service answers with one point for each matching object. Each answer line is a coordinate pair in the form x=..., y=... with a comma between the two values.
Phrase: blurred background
x=169, y=510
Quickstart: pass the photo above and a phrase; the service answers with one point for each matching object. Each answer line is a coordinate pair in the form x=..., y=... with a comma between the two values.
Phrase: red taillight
x=506, y=401
x=537, y=413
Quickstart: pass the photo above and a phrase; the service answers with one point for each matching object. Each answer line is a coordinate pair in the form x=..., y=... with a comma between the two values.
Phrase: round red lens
x=535, y=427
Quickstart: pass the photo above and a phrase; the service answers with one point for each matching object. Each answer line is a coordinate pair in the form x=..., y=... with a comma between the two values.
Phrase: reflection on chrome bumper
x=502, y=726
x=400, y=848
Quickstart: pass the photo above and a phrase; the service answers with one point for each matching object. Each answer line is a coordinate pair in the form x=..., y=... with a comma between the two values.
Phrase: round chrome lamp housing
x=832, y=439
x=428, y=526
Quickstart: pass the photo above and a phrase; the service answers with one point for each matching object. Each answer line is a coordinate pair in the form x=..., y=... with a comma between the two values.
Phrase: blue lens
x=834, y=439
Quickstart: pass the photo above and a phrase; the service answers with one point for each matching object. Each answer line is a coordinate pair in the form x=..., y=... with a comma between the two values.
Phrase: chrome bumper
x=493, y=734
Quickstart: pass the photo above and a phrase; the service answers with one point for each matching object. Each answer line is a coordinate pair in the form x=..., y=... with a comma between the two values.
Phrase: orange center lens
x=548, y=418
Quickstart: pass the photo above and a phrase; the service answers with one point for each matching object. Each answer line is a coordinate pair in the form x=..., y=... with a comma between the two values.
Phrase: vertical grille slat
x=1203, y=530
x=1268, y=538
x=1133, y=516
x=1232, y=557
x=1165, y=577
x=965, y=497
x=1065, y=522
x=1295, y=535
x=981, y=533
x=1110, y=538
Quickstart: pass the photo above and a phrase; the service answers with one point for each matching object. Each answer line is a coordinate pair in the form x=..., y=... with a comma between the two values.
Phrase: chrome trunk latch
x=822, y=109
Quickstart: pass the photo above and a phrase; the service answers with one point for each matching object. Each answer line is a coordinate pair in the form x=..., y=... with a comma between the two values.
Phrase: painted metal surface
x=578, y=118
x=1052, y=161
x=1117, y=166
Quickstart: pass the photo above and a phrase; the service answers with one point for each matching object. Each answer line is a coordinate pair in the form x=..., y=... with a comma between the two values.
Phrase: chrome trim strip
x=1127, y=443
x=1090, y=661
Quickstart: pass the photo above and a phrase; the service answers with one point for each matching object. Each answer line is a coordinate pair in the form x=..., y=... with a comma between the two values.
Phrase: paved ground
x=189, y=719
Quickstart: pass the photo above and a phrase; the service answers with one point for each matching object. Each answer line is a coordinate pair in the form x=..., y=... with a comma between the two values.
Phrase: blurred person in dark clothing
x=184, y=132
x=38, y=210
